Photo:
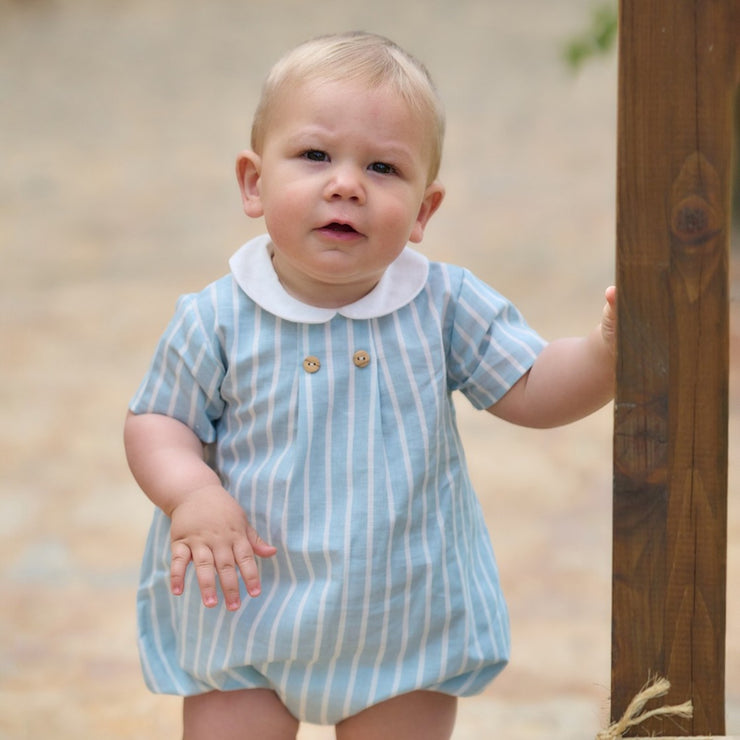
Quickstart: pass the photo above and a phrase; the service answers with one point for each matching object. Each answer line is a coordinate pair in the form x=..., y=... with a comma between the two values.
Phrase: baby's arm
x=208, y=527
x=570, y=379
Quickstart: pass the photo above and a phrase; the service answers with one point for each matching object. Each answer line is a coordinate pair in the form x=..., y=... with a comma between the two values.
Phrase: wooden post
x=677, y=74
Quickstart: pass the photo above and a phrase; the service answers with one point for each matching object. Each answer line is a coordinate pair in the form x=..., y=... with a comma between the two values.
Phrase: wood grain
x=677, y=72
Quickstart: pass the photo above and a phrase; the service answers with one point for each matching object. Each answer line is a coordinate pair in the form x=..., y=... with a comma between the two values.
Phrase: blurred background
x=119, y=125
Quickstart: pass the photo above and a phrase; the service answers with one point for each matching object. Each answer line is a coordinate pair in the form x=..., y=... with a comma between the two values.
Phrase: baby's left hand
x=609, y=319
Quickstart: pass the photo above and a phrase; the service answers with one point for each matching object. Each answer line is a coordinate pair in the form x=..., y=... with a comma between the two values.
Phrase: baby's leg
x=420, y=715
x=248, y=714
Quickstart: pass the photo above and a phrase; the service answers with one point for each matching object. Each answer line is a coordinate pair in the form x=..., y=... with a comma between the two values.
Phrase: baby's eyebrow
x=311, y=132
x=396, y=151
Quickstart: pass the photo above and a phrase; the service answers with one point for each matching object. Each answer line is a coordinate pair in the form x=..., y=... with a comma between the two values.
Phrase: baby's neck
x=328, y=296
x=322, y=294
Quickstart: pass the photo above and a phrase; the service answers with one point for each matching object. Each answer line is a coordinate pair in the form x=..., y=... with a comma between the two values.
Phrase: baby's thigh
x=419, y=715
x=244, y=714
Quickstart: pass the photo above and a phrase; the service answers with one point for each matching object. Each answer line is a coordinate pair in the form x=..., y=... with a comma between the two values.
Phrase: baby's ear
x=248, y=169
x=433, y=197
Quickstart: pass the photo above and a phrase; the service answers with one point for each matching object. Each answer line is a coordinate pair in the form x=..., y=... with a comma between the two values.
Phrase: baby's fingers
x=609, y=318
x=205, y=573
x=181, y=557
x=245, y=557
x=260, y=547
x=247, y=565
x=226, y=567
x=207, y=566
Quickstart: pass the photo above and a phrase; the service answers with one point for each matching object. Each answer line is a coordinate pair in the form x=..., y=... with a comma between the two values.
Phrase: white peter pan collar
x=253, y=271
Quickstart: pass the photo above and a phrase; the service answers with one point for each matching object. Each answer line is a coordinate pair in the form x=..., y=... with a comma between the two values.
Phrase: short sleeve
x=187, y=369
x=491, y=345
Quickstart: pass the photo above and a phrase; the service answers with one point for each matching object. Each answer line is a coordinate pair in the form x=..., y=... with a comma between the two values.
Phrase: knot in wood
x=696, y=202
x=641, y=441
x=694, y=220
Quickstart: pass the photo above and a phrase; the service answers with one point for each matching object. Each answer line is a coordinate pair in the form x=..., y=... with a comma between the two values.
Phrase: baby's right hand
x=210, y=529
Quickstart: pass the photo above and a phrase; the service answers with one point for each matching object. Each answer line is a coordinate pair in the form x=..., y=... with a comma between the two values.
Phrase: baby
x=306, y=398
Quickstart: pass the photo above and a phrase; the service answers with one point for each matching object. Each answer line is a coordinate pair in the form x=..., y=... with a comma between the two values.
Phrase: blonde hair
x=357, y=56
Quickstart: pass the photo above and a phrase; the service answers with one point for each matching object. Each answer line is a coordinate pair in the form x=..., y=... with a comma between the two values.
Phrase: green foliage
x=598, y=39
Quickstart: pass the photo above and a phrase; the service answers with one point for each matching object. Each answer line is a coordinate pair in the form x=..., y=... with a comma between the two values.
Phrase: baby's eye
x=316, y=155
x=382, y=168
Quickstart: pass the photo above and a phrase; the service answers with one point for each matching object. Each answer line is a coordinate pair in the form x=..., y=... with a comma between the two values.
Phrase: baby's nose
x=347, y=182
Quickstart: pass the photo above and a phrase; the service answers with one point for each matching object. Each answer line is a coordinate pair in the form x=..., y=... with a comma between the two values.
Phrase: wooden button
x=361, y=358
x=311, y=364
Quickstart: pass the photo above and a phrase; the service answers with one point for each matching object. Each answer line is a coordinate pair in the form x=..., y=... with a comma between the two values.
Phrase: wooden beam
x=677, y=67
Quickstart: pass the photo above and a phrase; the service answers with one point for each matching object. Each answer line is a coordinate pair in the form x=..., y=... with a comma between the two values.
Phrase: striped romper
x=335, y=430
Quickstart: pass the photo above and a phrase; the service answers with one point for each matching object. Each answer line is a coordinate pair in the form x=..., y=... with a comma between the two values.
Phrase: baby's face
x=342, y=184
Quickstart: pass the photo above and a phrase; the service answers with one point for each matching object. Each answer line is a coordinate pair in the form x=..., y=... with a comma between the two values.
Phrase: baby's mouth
x=340, y=228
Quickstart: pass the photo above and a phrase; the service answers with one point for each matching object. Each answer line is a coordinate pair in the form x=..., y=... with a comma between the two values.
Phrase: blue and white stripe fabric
x=385, y=580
